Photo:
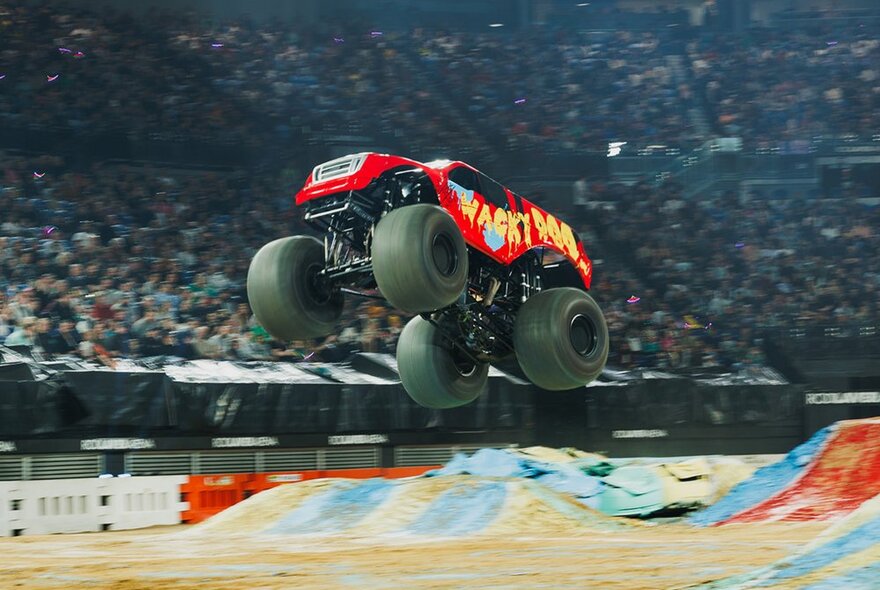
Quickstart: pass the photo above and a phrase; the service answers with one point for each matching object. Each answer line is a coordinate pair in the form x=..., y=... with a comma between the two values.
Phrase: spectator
x=145, y=324
x=152, y=343
x=580, y=193
x=64, y=340
x=6, y=326
x=42, y=340
x=253, y=347
x=23, y=306
x=23, y=334
x=204, y=346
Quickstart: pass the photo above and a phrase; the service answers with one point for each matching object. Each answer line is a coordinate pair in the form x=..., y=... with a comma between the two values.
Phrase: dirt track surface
x=661, y=557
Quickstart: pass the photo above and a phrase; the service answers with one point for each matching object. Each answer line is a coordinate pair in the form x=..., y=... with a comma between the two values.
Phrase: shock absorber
x=494, y=284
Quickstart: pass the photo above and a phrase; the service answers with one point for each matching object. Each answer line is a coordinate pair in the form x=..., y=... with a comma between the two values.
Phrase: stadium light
x=614, y=148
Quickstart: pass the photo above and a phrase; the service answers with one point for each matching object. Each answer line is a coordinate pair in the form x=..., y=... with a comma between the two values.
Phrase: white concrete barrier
x=42, y=507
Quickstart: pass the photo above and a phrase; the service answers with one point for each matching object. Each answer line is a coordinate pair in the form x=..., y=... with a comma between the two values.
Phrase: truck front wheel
x=419, y=258
x=285, y=292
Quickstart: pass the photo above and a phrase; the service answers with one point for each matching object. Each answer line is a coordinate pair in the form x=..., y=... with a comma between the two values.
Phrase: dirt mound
x=453, y=506
x=825, y=478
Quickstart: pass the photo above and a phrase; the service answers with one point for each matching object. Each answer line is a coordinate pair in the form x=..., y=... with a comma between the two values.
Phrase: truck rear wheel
x=433, y=372
x=285, y=294
x=561, y=339
x=419, y=258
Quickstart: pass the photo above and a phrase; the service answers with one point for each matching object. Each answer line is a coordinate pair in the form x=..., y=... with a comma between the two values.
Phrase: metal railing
x=819, y=342
x=28, y=467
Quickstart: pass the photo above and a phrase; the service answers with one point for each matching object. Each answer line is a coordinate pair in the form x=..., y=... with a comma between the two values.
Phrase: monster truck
x=488, y=276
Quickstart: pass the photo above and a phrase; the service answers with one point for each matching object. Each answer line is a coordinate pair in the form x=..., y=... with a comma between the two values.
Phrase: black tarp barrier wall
x=15, y=372
x=276, y=408
x=116, y=403
x=664, y=403
x=673, y=417
x=664, y=417
x=112, y=403
x=32, y=408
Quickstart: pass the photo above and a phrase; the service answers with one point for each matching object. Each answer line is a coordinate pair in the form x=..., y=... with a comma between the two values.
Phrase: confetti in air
x=690, y=322
x=376, y=33
x=39, y=175
x=64, y=50
x=2, y=76
x=308, y=356
x=519, y=101
x=338, y=40
x=216, y=45
x=739, y=245
x=633, y=299
x=79, y=55
x=52, y=78
x=47, y=230
x=831, y=43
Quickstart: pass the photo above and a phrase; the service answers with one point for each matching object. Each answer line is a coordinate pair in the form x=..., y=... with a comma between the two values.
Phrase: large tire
x=419, y=258
x=561, y=339
x=283, y=293
x=431, y=371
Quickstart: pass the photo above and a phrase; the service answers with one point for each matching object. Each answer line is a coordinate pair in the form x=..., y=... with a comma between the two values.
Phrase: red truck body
x=493, y=219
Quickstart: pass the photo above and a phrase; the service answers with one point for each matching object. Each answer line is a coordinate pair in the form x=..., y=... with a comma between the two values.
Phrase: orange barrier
x=210, y=494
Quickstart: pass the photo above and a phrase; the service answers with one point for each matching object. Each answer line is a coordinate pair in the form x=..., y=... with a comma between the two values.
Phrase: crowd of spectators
x=79, y=70
x=777, y=85
x=437, y=92
x=564, y=91
x=131, y=262
x=432, y=91
x=443, y=91
x=713, y=276
x=93, y=71
x=126, y=262
x=345, y=81
x=114, y=261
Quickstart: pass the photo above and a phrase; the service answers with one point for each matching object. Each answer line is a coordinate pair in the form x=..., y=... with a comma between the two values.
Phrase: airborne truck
x=488, y=275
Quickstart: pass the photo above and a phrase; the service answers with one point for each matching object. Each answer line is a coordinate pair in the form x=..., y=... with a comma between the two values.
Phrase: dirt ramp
x=826, y=478
x=452, y=506
x=842, y=476
x=257, y=512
